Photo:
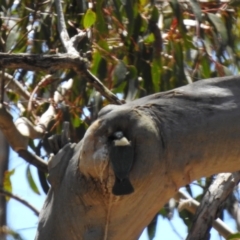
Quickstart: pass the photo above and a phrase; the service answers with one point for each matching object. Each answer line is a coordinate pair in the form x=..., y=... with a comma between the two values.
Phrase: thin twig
x=16, y=86
x=24, y=202
x=45, y=80
x=102, y=89
x=175, y=230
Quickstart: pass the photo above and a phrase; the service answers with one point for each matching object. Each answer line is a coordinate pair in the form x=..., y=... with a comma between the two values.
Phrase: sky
x=24, y=221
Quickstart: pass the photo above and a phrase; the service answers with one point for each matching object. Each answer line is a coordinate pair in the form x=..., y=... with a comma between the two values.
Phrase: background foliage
x=135, y=47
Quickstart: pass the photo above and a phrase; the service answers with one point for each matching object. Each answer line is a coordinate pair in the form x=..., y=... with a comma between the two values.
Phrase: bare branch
x=61, y=22
x=16, y=86
x=190, y=204
x=16, y=140
x=37, y=62
x=33, y=160
x=62, y=29
x=24, y=202
x=212, y=204
x=69, y=47
x=103, y=90
x=45, y=80
x=50, y=63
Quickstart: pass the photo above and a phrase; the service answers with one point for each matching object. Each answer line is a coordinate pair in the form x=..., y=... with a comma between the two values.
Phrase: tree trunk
x=177, y=136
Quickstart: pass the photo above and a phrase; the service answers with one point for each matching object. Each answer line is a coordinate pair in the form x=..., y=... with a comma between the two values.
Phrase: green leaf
x=219, y=26
x=151, y=228
x=12, y=96
x=235, y=236
x=76, y=121
x=155, y=14
x=103, y=44
x=206, y=64
x=177, y=11
x=31, y=182
x=150, y=38
x=7, y=185
x=95, y=62
x=101, y=24
x=131, y=8
x=14, y=235
x=196, y=9
x=89, y=18
x=163, y=212
x=118, y=6
x=143, y=3
x=156, y=73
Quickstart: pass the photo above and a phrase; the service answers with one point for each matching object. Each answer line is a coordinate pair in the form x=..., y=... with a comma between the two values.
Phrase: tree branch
x=212, y=204
x=38, y=62
x=102, y=89
x=62, y=29
x=69, y=47
x=17, y=141
x=24, y=202
x=191, y=205
x=34, y=160
x=51, y=63
x=15, y=86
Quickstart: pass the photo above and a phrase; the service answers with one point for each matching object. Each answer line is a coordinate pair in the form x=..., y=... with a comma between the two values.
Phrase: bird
x=121, y=157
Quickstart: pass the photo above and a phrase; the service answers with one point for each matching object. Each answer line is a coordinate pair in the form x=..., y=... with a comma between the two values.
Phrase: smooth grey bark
x=178, y=136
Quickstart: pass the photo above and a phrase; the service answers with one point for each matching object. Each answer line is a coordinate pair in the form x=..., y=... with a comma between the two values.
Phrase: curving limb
x=177, y=137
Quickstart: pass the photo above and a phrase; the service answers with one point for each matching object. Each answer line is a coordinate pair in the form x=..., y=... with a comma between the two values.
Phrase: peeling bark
x=178, y=136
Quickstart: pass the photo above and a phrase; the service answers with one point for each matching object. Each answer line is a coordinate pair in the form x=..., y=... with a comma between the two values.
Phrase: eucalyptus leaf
x=151, y=228
x=89, y=18
x=220, y=27
x=235, y=236
x=7, y=184
x=196, y=9
x=31, y=181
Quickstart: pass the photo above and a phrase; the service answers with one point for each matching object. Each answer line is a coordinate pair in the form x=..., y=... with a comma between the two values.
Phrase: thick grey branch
x=178, y=136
